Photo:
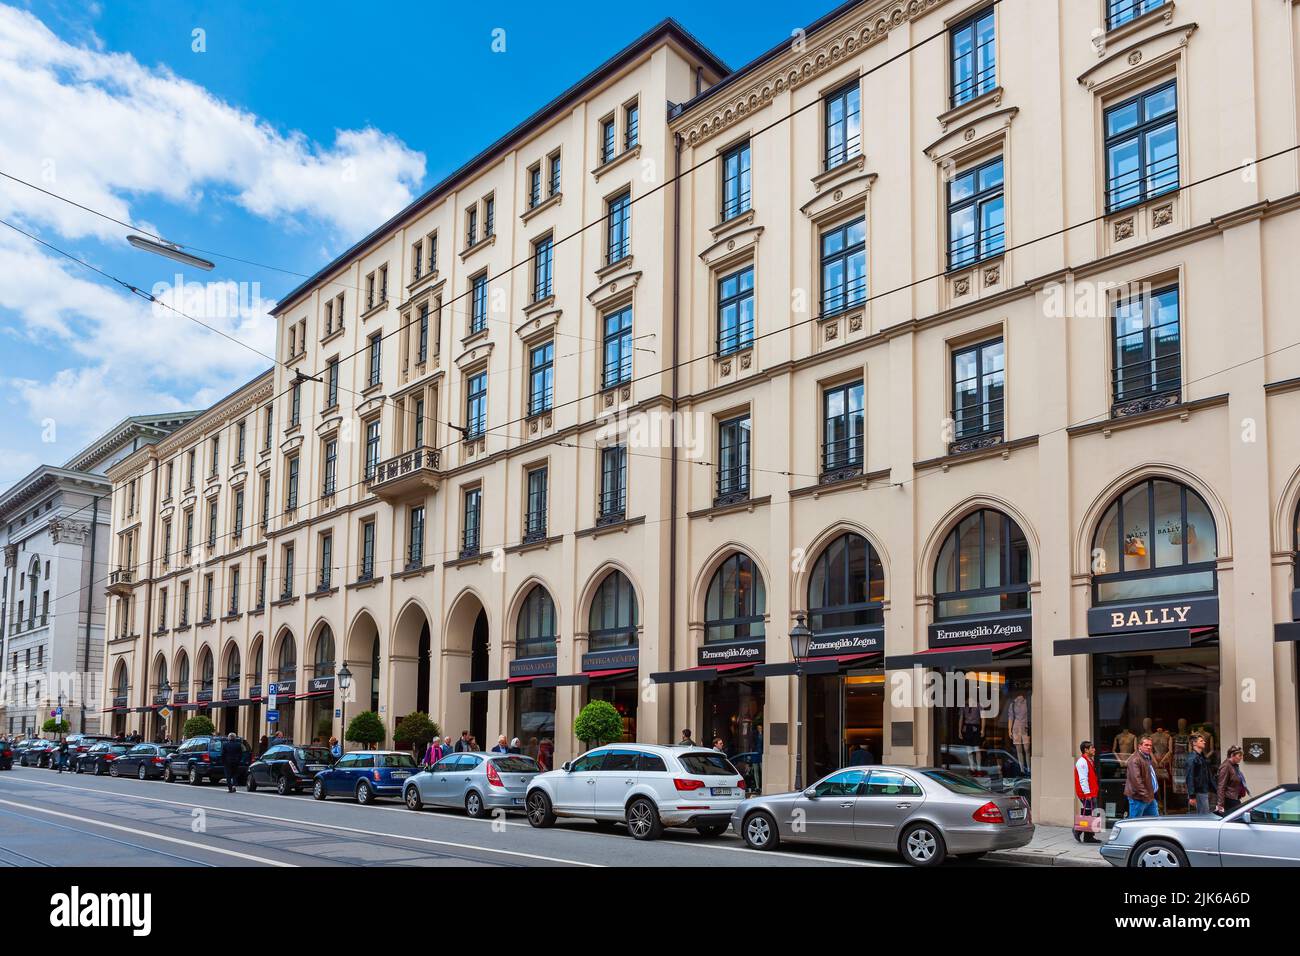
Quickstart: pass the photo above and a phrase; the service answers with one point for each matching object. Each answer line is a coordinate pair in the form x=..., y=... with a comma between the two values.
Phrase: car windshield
x=706, y=763
x=956, y=783
x=120, y=748
x=394, y=760
x=515, y=764
x=315, y=755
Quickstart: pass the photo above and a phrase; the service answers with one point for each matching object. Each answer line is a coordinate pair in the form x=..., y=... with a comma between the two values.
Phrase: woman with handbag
x=1087, y=790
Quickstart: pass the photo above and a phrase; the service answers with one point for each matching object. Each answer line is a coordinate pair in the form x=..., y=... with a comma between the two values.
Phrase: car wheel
x=412, y=798
x=643, y=820
x=540, y=811
x=195, y=779
x=474, y=804
x=79, y=768
x=99, y=769
x=318, y=790
x=922, y=845
x=712, y=829
x=251, y=785
x=113, y=771
x=142, y=773
x=365, y=795
x=168, y=776
x=1158, y=853
x=759, y=831
x=282, y=785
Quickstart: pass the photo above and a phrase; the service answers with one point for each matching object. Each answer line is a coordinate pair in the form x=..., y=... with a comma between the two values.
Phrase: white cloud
x=98, y=127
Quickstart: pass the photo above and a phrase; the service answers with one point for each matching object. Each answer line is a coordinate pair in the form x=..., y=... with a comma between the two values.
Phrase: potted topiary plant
x=413, y=732
x=598, y=723
x=198, y=726
x=366, y=728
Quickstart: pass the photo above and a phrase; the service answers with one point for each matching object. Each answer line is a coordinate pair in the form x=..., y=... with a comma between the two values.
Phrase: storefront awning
x=475, y=686
x=692, y=674
x=583, y=679
x=1135, y=641
x=816, y=665
x=970, y=655
x=1289, y=631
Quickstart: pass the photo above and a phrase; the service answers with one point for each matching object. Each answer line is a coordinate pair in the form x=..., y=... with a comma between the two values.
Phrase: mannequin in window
x=1124, y=745
x=970, y=726
x=1018, y=728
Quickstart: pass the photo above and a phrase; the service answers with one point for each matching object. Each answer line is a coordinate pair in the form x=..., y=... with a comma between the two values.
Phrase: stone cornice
x=800, y=64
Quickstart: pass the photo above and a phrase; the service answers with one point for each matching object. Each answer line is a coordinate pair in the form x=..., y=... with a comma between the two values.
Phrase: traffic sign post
x=272, y=716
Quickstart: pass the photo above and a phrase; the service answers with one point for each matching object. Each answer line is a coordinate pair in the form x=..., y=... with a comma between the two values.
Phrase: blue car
x=365, y=775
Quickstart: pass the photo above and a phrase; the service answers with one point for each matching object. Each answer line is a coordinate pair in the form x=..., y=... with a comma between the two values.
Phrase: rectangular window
x=332, y=384
x=843, y=124
x=1120, y=12
x=189, y=533
x=469, y=544
x=234, y=590
x=489, y=216
x=535, y=516
x=270, y=421
x=370, y=291
x=338, y=311
x=543, y=250
x=329, y=316
x=383, y=283
x=974, y=65
x=844, y=266
x=619, y=241
x=171, y=477
x=631, y=125
x=241, y=432
x=367, y=551
x=207, y=597
x=736, y=311
x=261, y=583
x=555, y=174
x=1148, y=359
x=976, y=219
x=372, y=448
x=376, y=354
x=618, y=348
x=286, y=590
x=331, y=467
x=842, y=433
x=190, y=469
x=422, y=335
x=266, y=502
x=534, y=186
x=433, y=252
x=476, y=405
x=239, y=512
x=978, y=381
x=295, y=404
x=541, y=378
x=418, y=436
x=471, y=226
x=733, y=459
x=291, y=491
x=185, y=603
x=162, y=609
x=1142, y=147
x=478, y=304
x=607, y=140
x=613, y=483
x=415, y=539
x=417, y=257
x=326, y=561
x=735, y=181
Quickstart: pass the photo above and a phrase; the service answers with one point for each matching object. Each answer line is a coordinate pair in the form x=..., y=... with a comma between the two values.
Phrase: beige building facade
x=957, y=332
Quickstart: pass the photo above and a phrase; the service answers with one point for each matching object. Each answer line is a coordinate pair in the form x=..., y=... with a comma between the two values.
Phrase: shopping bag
x=1094, y=822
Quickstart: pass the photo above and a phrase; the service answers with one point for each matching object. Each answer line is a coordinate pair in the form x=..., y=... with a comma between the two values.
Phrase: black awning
x=475, y=686
x=819, y=665
x=1136, y=641
x=977, y=655
x=562, y=680
x=1289, y=631
x=685, y=677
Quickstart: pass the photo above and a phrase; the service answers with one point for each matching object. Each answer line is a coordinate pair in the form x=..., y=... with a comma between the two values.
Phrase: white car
x=645, y=786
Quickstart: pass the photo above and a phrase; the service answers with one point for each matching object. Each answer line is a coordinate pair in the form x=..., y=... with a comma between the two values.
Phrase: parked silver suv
x=645, y=786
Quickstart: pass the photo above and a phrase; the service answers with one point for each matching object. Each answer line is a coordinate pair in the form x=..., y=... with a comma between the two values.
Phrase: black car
x=144, y=761
x=34, y=753
x=288, y=768
x=198, y=760
x=100, y=758
x=78, y=744
x=6, y=755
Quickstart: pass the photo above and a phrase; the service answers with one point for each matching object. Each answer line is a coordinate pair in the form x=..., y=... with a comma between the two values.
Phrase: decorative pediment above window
x=850, y=193
x=1135, y=62
x=423, y=296
x=613, y=289
x=473, y=356
x=328, y=424
x=735, y=245
x=973, y=137
x=292, y=443
x=371, y=405
x=539, y=324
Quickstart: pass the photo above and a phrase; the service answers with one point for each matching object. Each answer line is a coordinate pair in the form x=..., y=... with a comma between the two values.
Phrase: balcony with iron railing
x=469, y=543
x=403, y=474
x=121, y=581
x=1146, y=384
x=534, y=527
x=841, y=458
x=733, y=485
x=414, y=556
x=611, y=506
x=977, y=425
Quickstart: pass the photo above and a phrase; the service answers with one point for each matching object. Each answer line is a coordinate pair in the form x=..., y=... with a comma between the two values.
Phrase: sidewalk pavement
x=1052, y=846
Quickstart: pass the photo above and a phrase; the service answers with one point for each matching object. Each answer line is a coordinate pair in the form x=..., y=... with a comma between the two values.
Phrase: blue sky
x=239, y=148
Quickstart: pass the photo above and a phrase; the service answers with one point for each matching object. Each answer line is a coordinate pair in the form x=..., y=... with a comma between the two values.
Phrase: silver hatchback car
x=922, y=813
x=475, y=782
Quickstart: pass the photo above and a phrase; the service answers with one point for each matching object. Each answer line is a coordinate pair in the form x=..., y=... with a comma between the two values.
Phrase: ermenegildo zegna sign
x=732, y=652
x=1153, y=616
x=1011, y=627
x=867, y=641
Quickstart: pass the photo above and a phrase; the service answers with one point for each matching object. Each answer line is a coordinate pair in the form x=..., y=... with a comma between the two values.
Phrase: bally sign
x=999, y=630
x=731, y=652
x=1164, y=616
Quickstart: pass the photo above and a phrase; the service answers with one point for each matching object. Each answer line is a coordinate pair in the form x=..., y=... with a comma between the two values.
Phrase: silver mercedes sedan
x=923, y=814
x=475, y=782
x=1263, y=831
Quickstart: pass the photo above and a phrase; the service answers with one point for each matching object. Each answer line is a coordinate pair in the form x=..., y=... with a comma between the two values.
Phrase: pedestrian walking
x=1141, y=784
x=473, y=743
x=719, y=746
x=336, y=748
x=502, y=747
x=862, y=756
x=63, y=754
x=1199, y=777
x=463, y=744
x=1086, y=788
x=515, y=747
x=433, y=752
x=686, y=740
x=1232, y=789
x=231, y=752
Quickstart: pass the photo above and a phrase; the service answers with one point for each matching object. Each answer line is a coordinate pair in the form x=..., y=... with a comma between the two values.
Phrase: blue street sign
x=272, y=716
x=273, y=690
x=58, y=712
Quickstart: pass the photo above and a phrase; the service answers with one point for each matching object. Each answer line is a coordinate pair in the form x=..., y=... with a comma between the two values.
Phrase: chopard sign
x=1189, y=612
x=1019, y=628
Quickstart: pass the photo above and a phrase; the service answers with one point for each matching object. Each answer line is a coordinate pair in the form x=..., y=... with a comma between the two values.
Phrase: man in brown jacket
x=1141, y=784
x=1232, y=783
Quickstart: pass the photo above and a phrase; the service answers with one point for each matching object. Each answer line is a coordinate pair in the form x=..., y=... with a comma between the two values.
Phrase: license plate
x=1017, y=814
x=315, y=766
x=518, y=801
x=721, y=791
x=400, y=775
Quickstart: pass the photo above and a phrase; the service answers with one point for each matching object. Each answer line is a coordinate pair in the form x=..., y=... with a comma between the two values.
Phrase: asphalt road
x=48, y=819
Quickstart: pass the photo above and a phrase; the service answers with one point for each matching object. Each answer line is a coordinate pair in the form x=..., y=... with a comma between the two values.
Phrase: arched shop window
x=1295, y=546
x=232, y=667
x=324, y=664
x=847, y=587
x=206, y=670
x=162, y=673
x=983, y=567
x=535, y=629
x=183, y=673
x=121, y=682
x=736, y=601
x=613, y=618
x=1156, y=538
x=257, y=665
x=288, y=658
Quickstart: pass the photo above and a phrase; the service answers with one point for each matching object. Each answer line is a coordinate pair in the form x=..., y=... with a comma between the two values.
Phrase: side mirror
x=568, y=767
x=811, y=793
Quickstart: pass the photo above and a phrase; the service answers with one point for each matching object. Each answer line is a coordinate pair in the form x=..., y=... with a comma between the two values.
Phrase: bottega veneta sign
x=1153, y=616
x=731, y=652
x=610, y=660
x=1017, y=627
x=532, y=666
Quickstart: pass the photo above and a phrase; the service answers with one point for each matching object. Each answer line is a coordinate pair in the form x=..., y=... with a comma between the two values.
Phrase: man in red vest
x=1085, y=785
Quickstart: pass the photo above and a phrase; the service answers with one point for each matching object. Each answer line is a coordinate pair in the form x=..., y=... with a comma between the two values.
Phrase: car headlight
x=1113, y=835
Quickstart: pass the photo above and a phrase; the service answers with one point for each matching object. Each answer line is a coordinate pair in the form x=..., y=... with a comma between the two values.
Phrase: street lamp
x=800, y=639
x=345, y=681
